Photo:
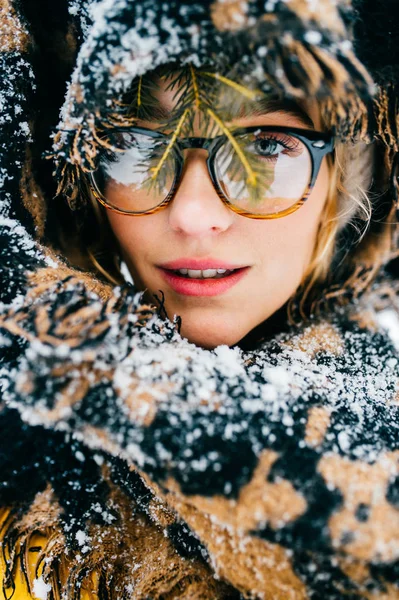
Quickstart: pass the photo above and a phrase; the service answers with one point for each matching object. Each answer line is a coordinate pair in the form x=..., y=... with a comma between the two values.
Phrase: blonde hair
x=347, y=204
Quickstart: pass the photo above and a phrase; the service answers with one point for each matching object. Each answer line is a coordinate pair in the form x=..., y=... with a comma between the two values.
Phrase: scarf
x=160, y=465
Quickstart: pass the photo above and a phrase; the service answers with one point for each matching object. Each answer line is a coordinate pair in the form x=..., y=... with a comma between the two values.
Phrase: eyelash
x=287, y=141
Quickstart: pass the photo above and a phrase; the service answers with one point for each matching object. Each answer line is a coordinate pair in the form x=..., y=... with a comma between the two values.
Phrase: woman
x=226, y=426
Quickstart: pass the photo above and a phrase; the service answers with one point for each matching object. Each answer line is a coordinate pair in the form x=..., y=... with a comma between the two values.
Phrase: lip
x=202, y=287
x=200, y=265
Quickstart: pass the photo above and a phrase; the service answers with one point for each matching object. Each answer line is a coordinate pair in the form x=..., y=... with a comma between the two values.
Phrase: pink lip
x=202, y=287
x=201, y=265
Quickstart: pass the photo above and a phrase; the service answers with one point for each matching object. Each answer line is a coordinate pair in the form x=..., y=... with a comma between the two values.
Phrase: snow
x=211, y=394
x=83, y=540
x=126, y=274
x=228, y=361
x=80, y=456
x=41, y=589
x=388, y=319
x=24, y=127
x=74, y=8
x=81, y=9
x=313, y=37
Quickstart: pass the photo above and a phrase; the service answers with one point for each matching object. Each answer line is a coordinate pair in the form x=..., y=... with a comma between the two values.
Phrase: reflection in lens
x=124, y=175
x=281, y=167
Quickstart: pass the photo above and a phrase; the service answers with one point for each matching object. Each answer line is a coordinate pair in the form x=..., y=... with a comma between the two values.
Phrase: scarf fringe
x=386, y=113
x=131, y=558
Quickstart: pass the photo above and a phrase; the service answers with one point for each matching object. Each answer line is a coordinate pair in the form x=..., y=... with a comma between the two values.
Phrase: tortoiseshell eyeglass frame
x=318, y=144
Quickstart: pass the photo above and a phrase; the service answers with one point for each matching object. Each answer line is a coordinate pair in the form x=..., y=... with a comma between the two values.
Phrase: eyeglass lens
x=261, y=172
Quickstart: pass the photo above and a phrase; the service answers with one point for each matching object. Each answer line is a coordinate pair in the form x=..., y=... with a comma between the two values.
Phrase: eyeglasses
x=258, y=172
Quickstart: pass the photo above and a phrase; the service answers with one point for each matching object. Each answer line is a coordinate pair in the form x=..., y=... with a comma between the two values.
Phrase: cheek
x=135, y=236
x=302, y=229
x=287, y=244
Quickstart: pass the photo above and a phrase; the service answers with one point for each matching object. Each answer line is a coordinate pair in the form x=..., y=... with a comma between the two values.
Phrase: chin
x=210, y=335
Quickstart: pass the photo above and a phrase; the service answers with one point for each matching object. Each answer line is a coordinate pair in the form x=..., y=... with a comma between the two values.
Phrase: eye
x=271, y=145
x=268, y=147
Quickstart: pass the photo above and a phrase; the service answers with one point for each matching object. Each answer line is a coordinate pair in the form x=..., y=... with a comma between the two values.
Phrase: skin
x=196, y=224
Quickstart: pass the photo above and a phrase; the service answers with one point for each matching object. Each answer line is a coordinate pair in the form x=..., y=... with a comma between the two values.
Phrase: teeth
x=205, y=274
x=209, y=273
x=194, y=273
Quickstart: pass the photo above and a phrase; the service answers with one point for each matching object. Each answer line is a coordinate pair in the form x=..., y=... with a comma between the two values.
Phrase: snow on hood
x=298, y=47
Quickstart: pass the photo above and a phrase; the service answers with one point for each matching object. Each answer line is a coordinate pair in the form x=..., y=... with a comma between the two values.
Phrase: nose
x=196, y=209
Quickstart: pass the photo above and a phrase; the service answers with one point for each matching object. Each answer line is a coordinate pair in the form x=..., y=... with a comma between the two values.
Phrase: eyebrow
x=262, y=107
x=267, y=105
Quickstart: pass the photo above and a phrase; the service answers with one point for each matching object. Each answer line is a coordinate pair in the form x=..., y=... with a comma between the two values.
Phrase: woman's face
x=198, y=232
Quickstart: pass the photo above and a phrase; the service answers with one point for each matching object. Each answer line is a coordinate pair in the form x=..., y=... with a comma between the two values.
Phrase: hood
x=289, y=47
x=298, y=48
x=342, y=53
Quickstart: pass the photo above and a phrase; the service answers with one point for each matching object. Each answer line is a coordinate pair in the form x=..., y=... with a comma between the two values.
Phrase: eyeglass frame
x=318, y=144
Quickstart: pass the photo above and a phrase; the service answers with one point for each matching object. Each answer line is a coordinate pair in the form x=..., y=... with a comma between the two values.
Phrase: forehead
x=299, y=113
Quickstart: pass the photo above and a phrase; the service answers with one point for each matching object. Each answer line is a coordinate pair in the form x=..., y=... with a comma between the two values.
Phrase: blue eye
x=272, y=146
x=268, y=147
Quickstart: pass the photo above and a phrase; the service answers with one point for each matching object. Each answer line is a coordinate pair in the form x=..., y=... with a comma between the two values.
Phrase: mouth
x=203, y=274
x=206, y=282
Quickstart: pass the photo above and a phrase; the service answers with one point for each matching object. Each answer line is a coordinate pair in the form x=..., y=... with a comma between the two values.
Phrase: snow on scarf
x=278, y=467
